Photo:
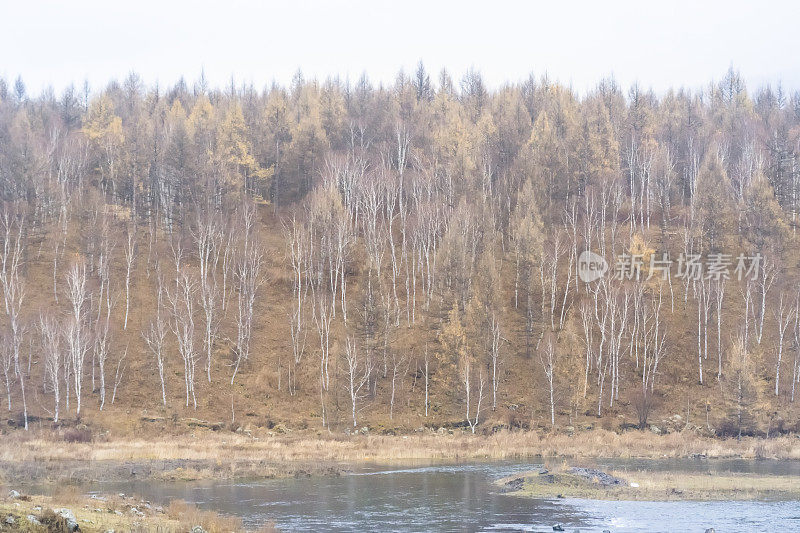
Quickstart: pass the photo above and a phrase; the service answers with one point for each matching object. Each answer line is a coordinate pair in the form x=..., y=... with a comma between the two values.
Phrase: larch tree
x=714, y=203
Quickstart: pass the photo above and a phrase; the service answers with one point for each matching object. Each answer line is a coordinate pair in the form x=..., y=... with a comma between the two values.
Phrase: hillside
x=329, y=256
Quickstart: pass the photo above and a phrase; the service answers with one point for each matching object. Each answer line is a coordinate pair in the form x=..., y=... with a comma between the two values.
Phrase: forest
x=339, y=255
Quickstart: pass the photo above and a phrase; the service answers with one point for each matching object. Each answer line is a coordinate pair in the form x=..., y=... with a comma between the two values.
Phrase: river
x=461, y=497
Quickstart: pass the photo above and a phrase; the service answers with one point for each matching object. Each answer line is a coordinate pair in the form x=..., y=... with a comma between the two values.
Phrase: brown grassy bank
x=219, y=455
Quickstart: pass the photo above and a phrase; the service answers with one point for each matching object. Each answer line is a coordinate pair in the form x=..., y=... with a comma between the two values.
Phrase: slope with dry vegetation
x=334, y=256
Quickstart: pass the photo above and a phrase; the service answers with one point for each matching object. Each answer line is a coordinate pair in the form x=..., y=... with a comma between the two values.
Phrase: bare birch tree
x=495, y=340
x=118, y=374
x=796, y=365
x=130, y=257
x=299, y=246
x=548, y=361
x=7, y=362
x=208, y=241
x=105, y=251
x=427, y=376
x=76, y=332
x=397, y=374
x=784, y=315
x=653, y=339
x=766, y=278
x=102, y=343
x=467, y=380
x=719, y=297
x=14, y=291
x=182, y=301
x=359, y=369
x=249, y=270
x=156, y=333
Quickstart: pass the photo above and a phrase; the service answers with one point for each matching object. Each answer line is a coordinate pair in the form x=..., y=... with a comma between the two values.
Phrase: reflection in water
x=462, y=498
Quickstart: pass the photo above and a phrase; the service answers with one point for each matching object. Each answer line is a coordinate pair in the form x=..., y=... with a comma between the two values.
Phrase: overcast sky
x=660, y=45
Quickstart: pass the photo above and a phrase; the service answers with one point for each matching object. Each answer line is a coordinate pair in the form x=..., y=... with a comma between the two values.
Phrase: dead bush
x=77, y=435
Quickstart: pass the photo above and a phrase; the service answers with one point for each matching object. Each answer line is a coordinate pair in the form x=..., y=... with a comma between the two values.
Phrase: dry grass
x=232, y=455
x=559, y=481
x=118, y=513
x=189, y=516
x=717, y=486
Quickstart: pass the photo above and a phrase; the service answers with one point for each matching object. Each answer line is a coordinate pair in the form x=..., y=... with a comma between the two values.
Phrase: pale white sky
x=660, y=44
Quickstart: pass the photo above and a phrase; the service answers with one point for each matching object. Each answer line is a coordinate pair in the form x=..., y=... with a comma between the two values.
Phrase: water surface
x=461, y=497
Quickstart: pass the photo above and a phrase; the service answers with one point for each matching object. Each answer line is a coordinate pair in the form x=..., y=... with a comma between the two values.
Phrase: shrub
x=78, y=435
x=55, y=523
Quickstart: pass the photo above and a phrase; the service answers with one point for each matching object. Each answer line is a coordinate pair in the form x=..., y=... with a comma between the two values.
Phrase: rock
x=634, y=485
x=10, y=520
x=198, y=529
x=194, y=422
x=513, y=484
x=710, y=530
x=13, y=495
x=33, y=520
x=69, y=516
x=558, y=527
x=136, y=511
x=655, y=429
x=599, y=476
x=65, y=513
